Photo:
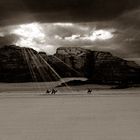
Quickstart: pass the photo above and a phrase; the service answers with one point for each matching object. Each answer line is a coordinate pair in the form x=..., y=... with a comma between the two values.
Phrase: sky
x=103, y=25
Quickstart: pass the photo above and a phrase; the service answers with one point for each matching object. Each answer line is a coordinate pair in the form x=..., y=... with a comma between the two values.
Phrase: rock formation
x=26, y=65
x=23, y=65
x=100, y=67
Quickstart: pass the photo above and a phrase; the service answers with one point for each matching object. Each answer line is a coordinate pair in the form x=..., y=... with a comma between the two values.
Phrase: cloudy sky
x=105, y=25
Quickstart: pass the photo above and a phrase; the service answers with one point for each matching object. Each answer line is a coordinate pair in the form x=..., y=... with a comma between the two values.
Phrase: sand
x=70, y=118
x=106, y=114
x=37, y=89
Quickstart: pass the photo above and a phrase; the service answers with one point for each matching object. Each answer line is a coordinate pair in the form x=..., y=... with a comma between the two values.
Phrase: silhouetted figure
x=48, y=91
x=53, y=91
x=89, y=91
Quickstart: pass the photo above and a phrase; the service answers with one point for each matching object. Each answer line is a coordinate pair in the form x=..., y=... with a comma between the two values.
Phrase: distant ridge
x=26, y=65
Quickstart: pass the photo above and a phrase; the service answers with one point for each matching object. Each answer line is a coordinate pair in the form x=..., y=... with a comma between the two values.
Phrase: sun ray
x=29, y=34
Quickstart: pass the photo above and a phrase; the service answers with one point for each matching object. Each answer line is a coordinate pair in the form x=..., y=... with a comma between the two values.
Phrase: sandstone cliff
x=99, y=67
x=26, y=65
x=23, y=65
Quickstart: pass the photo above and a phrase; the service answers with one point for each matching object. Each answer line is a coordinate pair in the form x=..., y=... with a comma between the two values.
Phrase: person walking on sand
x=48, y=91
x=89, y=91
x=53, y=91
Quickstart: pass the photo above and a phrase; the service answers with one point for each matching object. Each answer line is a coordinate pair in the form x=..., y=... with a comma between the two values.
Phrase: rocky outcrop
x=26, y=65
x=100, y=67
x=111, y=69
x=69, y=62
x=23, y=65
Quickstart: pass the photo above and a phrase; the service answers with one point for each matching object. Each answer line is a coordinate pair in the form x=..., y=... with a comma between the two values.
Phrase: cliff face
x=108, y=68
x=76, y=60
x=100, y=67
x=23, y=65
x=26, y=65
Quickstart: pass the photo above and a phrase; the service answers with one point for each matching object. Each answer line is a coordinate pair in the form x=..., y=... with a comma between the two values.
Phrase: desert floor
x=104, y=115
x=70, y=118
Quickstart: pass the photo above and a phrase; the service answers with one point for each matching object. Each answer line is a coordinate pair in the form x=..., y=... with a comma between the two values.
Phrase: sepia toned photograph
x=69, y=69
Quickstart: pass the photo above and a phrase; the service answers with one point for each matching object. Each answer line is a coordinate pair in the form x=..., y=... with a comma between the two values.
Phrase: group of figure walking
x=53, y=91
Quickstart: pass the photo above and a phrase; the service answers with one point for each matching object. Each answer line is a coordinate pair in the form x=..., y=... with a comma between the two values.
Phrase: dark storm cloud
x=123, y=16
x=128, y=33
x=19, y=11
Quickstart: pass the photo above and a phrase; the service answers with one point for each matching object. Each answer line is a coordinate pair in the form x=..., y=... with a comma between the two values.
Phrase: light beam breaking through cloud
x=50, y=36
x=72, y=23
x=29, y=34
